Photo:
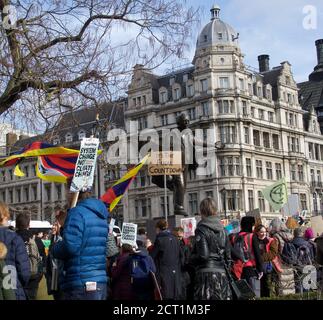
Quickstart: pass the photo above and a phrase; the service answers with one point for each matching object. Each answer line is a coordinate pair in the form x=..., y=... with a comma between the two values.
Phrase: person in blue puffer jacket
x=83, y=249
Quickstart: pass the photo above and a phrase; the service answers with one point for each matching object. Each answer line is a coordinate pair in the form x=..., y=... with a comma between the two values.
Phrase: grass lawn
x=42, y=291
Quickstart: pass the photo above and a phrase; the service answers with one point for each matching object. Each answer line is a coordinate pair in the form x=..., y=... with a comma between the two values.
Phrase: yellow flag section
x=17, y=172
x=276, y=194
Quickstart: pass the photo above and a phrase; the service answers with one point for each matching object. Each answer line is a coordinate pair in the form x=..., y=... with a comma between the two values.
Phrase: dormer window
x=220, y=36
x=82, y=134
x=190, y=90
x=176, y=94
x=205, y=38
x=56, y=141
x=68, y=137
x=163, y=96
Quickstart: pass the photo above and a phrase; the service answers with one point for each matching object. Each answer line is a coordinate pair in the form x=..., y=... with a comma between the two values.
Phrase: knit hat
x=309, y=234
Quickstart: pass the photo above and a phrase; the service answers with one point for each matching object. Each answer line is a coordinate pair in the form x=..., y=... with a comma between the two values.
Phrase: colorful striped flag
x=116, y=192
x=56, y=168
x=36, y=149
x=54, y=163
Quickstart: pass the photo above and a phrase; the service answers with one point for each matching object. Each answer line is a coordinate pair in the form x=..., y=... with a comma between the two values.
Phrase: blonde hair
x=3, y=251
x=4, y=212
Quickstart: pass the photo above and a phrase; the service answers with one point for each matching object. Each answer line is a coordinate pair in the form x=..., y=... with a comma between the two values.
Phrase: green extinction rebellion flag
x=276, y=194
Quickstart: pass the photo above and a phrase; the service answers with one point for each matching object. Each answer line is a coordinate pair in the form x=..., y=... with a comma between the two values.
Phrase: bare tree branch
x=78, y=53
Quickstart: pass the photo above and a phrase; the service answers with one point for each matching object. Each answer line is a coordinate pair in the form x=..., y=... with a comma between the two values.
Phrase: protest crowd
x=84, y=260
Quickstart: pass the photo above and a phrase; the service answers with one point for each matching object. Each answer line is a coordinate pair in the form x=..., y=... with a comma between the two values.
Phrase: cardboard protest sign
x=291, y=208
x=129, y=234
x=256, y=214
x=292, y=224
x=85, y=165
x=189, y=226
x=165, y=162
x=317, y=225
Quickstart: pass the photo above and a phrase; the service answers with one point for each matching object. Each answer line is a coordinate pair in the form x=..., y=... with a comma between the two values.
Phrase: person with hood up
x=17, y=254
x=126, y=286
x=83, y=249
x=279, y=230
x=310, y=238
x=211, y=251
x=285, y=281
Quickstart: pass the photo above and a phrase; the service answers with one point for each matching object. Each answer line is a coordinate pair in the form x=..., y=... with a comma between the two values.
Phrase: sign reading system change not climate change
x=85, y=165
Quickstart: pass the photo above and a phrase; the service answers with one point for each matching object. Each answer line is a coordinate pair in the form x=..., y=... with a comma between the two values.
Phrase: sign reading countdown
x=165, y=163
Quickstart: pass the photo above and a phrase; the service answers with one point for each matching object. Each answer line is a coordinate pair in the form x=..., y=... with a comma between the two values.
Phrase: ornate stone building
x=256, y=114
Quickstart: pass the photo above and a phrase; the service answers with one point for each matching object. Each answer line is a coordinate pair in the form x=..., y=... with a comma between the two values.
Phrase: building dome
x=217, y=32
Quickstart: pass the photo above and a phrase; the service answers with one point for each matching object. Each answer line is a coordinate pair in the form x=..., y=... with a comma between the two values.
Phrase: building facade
x=257, y=115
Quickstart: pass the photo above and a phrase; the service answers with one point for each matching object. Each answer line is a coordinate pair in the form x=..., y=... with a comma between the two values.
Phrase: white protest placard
x=291, y=208
x=189, y=226
x=129, y=234
x=85, y=165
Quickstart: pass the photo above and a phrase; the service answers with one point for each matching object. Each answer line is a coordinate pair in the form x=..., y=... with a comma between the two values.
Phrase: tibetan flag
x=56, y=168
x=36, y=149
x=116, y=192
x=276, y=194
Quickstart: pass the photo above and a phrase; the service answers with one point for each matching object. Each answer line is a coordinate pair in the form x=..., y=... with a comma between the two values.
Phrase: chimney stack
x=263, y=63
x=317, y=74
x=11, y=139
x=319, y=49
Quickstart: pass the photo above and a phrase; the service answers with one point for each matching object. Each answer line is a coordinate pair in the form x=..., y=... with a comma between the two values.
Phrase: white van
x=35, y=225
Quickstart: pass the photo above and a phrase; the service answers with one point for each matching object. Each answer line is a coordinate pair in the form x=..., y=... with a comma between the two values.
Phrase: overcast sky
x=272, y=27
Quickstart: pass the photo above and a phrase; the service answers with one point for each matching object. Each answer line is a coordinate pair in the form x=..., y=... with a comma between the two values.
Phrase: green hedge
x=298, y=296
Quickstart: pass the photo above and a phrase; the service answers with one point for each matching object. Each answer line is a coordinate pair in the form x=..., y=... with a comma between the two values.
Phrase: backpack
x=289, y=254
x=244, y=252
x=241, y=246
x=140, y=271
x=304, y=256
x=35, y=259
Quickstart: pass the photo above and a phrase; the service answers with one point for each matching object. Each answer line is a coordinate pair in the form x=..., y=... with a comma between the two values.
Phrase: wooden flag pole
x=75, y=198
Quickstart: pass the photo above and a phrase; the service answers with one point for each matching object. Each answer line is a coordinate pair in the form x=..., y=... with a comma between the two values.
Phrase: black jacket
x=212, y=246
x=167, y=257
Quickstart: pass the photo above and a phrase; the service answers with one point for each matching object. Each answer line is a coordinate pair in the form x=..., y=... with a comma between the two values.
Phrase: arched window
x=177, y=92
x=163, y=95
x=68, y=137
x=56, y=141
x=82, y=134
